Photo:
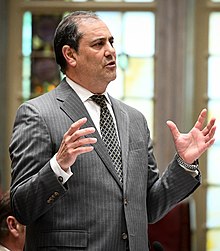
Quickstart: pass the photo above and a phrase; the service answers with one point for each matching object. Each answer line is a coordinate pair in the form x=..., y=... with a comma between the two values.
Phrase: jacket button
x=60, y=178
x=125, y=202
x=49, y=201
x=124, y=236
x=56, y=194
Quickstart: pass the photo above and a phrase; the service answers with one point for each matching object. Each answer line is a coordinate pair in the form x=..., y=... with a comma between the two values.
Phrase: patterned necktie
x=109, y=135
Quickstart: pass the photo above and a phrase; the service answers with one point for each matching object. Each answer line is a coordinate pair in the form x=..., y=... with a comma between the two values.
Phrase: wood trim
x=200, y=101
x=169, y=76
x=211, y=6
x=13, y=71
x=60, y=7
x=3, y=97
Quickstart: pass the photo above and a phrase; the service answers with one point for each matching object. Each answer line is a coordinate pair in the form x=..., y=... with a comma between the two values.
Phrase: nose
x=109, y=50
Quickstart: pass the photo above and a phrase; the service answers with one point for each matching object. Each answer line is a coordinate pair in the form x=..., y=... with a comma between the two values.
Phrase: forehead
x=94, y=28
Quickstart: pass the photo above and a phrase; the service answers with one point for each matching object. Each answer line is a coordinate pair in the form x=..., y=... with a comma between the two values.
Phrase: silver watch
x=193, y=167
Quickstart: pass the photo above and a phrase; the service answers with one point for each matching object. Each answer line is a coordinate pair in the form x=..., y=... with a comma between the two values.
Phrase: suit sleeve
x=34, y=186
x=166, y=191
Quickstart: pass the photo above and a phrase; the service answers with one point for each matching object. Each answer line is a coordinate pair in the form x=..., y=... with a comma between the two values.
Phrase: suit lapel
x=123, y=131
x=74, y=108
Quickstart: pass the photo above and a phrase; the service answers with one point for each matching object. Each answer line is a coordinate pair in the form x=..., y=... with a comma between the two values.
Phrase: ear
x=70, y=55
x=13, y=225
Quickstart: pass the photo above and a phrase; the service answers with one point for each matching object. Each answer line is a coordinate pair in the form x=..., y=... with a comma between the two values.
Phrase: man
x=12, y=233
x=71, y=189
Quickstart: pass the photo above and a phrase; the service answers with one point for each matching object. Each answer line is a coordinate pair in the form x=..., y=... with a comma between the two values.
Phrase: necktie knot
x=100, y=100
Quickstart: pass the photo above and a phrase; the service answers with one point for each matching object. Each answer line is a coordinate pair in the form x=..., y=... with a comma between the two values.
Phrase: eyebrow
x=103, y=38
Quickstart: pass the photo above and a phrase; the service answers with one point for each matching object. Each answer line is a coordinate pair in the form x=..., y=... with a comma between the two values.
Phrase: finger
x=81, y=150
x=209, y=143
x=67, y=153
x=81, y=133
x=75, y=126
x=211, y=134
x=201, y=119
x=83, y=142
x=210, y=125
x=173, y=128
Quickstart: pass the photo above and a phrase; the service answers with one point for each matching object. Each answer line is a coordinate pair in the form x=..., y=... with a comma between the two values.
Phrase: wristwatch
x=193, y=167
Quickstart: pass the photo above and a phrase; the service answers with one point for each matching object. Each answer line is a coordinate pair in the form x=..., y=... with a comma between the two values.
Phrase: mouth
x=111, y=64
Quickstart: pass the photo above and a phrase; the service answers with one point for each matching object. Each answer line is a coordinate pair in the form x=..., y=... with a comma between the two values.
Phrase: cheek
x=91, y=62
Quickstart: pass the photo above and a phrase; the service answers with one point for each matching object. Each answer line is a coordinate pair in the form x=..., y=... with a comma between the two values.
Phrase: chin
x=113, y=77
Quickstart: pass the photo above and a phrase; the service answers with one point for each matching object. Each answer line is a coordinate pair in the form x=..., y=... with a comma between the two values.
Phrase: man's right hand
x=74, y=143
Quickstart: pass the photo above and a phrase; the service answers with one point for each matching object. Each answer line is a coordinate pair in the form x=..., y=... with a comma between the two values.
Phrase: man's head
x=67, y=33
x=84, y=50
x=12, y=233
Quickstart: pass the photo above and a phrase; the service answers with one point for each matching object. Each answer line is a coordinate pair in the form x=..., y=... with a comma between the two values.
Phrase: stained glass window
x=40, y=71
x=213, y=157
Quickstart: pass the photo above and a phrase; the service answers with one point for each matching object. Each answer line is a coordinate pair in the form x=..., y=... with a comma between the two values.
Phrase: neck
x=94, y=87
x=12, y=245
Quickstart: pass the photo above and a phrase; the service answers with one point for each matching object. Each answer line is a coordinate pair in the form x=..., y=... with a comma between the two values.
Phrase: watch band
x=193, y=167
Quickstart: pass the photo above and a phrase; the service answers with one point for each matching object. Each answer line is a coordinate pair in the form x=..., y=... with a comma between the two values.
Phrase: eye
x=98, y=44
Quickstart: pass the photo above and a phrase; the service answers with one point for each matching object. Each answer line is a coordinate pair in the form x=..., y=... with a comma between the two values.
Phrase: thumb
x=173, y=129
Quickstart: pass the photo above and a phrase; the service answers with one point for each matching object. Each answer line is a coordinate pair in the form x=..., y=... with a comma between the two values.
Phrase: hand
x=74, y=143
x=192, y=145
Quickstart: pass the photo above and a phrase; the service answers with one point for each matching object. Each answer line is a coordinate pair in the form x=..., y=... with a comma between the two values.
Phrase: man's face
x=96, y=57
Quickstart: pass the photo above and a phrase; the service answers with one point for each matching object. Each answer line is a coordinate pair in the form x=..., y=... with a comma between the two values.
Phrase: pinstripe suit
x=92, y=211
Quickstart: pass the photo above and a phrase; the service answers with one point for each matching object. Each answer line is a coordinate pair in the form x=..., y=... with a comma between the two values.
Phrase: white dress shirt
x=2, y=248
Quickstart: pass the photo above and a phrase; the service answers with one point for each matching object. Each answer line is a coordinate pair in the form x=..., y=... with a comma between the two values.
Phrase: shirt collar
x=3, y=248
x=82, y=92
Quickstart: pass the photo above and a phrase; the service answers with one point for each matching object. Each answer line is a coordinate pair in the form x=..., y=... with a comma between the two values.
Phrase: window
x=40, y=71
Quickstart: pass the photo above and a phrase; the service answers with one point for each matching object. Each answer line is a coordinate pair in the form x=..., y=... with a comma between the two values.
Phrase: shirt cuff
x=193, y=173
x=59, y=172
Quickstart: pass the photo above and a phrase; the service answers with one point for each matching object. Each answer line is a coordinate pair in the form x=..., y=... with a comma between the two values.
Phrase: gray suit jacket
x=92, y=211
